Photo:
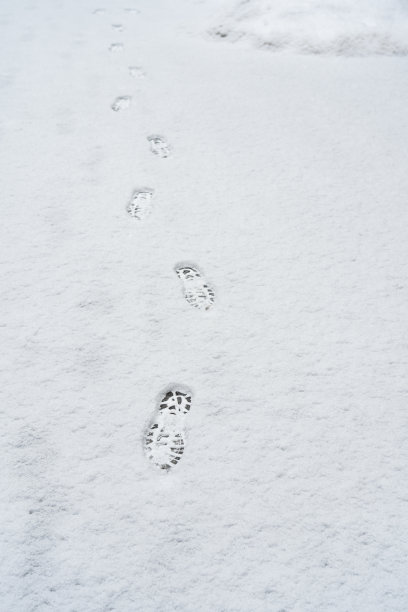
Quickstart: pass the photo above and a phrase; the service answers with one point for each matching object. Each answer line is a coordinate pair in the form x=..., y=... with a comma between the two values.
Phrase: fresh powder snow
x=204, y=306
x=343, y=27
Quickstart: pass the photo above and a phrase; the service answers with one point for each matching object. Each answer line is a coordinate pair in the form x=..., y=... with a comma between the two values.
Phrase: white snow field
x=287, y=187
x=344, y=27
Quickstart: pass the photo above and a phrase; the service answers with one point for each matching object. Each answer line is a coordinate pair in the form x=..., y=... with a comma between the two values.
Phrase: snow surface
x=287, y=186
x=343, y=27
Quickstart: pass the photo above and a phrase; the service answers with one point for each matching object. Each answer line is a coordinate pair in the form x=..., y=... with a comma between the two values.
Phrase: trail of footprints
x=164, y=438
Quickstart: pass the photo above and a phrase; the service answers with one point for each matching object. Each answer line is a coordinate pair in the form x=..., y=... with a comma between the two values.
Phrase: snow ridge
x=311, y=26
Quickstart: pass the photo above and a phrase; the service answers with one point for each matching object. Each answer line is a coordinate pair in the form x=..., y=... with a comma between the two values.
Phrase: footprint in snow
x=196, y=290
x=99, y=11
x=118, y=27
x=116, y=47
x=121, y=103
x=136, y=72
x=159, y=145
x=140, y=204
x=164, y=438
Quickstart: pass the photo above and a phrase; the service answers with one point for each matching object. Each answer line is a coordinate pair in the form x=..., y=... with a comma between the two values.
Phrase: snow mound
x=336, y=27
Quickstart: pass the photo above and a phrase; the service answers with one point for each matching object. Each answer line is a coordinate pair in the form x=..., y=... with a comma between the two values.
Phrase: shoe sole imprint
x=196, y=291
x=116, y=47
x=137, y=72
x=164, y=438
x=121, y=103
x=140, y=204
x=159, y=145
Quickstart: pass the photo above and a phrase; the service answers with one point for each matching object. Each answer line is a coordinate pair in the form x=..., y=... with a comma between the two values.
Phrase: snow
x=286, y=186
x=342, y=27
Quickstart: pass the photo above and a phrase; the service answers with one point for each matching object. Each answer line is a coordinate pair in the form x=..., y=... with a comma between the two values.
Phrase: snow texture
x=341, y=27
x=288, y=185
